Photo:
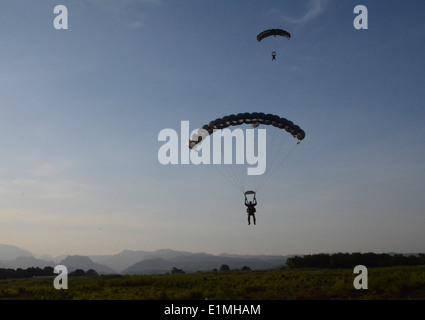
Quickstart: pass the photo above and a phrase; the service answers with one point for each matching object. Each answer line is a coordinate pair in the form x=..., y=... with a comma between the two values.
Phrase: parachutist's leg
x=253, y=216
x=249, y=219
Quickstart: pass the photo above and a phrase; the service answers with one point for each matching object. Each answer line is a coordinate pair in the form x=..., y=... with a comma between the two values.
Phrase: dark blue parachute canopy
x=254, y=119
x=273, y=32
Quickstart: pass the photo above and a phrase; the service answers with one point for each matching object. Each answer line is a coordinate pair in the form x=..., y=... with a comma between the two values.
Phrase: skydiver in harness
x=250, y=207
x=273, y=55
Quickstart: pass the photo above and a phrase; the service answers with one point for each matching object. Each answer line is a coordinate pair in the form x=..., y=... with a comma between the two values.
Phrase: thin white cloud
x=47, y=188
x=47, y=181
x=128, y=12
x=135, y=24
x=314, y=8
x=49, y=170
x=153, y=2
x=125, y=2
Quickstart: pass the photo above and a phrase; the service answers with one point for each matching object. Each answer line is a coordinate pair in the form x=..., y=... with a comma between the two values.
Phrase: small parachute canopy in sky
x=273, y=32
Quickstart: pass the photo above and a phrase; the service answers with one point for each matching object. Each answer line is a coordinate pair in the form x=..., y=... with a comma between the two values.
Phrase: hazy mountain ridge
x=9, y=252
x=26, y=262
x=122, y=260
x=75, y=262
x=138, y=262
x=193, y=262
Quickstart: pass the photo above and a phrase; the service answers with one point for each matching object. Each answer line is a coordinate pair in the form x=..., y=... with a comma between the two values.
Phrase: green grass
x=383, y=283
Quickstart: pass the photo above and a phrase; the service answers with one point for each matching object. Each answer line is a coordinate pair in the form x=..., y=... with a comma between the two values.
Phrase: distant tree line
x=38, y=272
x=81, y=272
x=223, y=268
x=26, y=273
x=176, y=271
x=350, y=260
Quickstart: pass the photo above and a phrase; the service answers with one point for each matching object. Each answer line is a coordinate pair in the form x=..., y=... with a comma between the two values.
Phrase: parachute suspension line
x=257, y=179
x=274, y=168
x=229, y=172
x=270, y=173
x=242, y=175
x=236, y=171
x=231, y=178
x=274, y=148
x=238, y=177
x=254, y=180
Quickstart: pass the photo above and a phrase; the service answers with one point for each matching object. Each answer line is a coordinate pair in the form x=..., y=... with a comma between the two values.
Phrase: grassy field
x=383, y=283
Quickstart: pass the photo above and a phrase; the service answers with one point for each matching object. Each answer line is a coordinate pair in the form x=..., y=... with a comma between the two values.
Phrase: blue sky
x=81, y=110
